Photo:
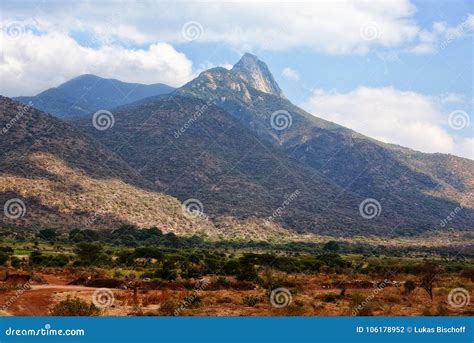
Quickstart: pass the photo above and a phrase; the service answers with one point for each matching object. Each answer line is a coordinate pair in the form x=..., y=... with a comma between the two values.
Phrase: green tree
x=331, y=246
x=90, y=253
x=47, y=234
x=3, y=258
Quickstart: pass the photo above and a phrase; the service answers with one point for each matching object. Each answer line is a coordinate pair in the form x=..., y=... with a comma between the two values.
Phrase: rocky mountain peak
x=256, y=74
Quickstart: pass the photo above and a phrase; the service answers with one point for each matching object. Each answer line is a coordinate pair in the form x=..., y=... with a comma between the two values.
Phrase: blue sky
x=400, y=71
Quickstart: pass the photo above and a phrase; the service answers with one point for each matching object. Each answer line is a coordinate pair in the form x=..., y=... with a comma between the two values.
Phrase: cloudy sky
x=400, y=71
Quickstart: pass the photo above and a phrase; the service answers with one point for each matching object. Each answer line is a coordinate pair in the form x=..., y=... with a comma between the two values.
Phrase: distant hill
x=89, y=93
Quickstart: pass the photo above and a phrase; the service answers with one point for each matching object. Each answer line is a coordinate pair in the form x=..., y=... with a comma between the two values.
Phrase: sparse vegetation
x=74, y=307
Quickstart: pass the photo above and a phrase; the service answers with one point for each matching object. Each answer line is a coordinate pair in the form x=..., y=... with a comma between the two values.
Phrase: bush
x=74, y=307
x=247, y=273
x=250, y=300
x=330, y=297
x=3, y=258
x=331, y=246
x=409, y=286
x=166, y=274
x=361, y=306
x=168, y=307
x=222, y=282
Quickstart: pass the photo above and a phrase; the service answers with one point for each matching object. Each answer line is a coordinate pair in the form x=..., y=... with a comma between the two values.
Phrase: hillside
x=67, y=180
x=193, y=149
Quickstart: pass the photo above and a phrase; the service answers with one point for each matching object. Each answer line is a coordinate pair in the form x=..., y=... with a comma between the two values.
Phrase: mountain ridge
x=89, y=93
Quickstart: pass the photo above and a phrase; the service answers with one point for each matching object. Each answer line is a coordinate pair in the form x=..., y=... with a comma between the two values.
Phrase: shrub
x=250, y=300
x=3, y=258
x=296, y=308
x=166, y=274
x=15, y=262
x=168, y=307
x=118, y=274
x=222, y=282
x=331, y=246
x=74, y=307
x=409, y=286
x=360, y=305
x=247, y=273
x=330, y=297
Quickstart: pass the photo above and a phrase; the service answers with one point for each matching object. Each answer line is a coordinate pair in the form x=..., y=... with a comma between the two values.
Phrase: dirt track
x=37, y=300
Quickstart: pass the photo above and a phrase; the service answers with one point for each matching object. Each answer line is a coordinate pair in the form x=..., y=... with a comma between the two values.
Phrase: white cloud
x=392, y=116
x=30, y=63
x=336, y=27
x=441, y=35
x=290, y=74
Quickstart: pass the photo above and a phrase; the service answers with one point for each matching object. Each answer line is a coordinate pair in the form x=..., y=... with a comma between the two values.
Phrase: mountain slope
x=90, y=93
x=67, y=180
x=194, y=150
x=400, y=179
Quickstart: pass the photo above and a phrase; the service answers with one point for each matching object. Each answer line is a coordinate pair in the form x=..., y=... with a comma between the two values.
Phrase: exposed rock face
x=256, y=73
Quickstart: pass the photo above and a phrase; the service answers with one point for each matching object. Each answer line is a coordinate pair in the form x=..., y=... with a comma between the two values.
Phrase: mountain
x=67, y=180
x=89, y=93
x=403, y=181
x=230, y=143
x=193, y=149
x=232, y=140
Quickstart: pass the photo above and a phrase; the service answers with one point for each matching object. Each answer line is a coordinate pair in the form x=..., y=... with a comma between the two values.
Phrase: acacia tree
x=430, y=272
